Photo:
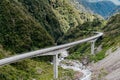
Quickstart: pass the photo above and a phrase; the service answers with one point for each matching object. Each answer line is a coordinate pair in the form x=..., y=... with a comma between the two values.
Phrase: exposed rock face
x=85, y=61
x=78, y=75
x=108, y=68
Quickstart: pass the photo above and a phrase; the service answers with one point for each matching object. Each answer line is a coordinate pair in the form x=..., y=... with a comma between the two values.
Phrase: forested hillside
x=20, y=32
x=42, y=12
x=82, y=31
x=57, y=17
x=27, y=25
x=112, y=31
x=108, y=68
x=110, y=39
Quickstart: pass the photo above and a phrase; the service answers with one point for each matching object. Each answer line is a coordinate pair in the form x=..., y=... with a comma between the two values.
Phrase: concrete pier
x=55, y=68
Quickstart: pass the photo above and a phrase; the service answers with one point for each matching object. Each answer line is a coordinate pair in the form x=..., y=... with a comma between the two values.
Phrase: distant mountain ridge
x=102, y=7
x=115, y=11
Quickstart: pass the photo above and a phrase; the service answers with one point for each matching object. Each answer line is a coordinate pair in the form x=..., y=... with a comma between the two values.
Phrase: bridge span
x=55, y=50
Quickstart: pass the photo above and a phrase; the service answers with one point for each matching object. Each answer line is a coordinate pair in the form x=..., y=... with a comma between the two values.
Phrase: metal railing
x=51, y=51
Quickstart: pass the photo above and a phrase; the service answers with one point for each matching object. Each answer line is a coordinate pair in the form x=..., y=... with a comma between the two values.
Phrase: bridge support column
x=93, y=46
x=55, y=68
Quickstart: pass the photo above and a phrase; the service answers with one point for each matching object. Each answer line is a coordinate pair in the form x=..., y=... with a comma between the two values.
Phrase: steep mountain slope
x=103, y=8
x=108, y=68
x=43, y=13
x=67, y=13
x=82, y=31
x=23, y=24
x=110, y=65
x=57, y=17
x=20, y=32
x=115, y=11
x=110, y=39
x=111, y=31
x=27, y=25
x=80, y=6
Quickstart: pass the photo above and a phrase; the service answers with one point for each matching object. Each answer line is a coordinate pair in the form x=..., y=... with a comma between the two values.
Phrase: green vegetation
x=29, y=70
x=68, y=15
x=57, y=17
x=81, y=31
x=42, y=11
x=112, y=32
x=110, y=39
x=81, y=51
x=19, y=32
x=27, y=25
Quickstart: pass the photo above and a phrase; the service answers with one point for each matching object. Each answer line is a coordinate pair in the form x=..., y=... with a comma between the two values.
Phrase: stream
x=75, y=65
